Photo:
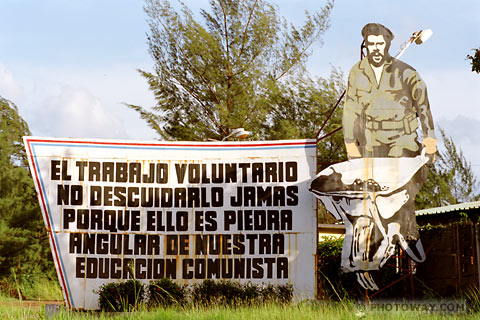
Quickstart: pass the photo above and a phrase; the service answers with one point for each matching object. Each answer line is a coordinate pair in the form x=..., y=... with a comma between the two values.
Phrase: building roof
x=451, y=208
x=331, y=228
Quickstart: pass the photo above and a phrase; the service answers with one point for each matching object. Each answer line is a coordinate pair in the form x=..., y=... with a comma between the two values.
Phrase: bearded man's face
x=376, y=52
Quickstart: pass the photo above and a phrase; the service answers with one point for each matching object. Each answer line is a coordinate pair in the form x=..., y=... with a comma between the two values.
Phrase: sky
x=70, y=66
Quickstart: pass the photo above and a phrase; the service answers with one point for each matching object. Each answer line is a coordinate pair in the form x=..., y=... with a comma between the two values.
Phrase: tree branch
x=194, y=70
x=199, y=100
x=244, y=37
x=229, y=67
x=298, y=57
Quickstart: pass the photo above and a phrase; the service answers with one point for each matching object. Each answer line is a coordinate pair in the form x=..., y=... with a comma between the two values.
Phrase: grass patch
x=11, y=308
x=41, y=289
x=304, y=310
x=30, y=287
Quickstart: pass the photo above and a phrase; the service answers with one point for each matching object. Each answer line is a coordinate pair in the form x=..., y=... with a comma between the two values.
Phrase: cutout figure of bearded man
x=385, y=101
x=374, y=192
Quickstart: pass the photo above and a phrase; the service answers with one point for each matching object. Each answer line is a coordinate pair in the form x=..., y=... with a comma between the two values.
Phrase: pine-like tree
x=243, y=66
x=451, y=179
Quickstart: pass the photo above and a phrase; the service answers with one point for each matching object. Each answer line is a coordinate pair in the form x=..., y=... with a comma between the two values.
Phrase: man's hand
x=352, y=150
x=430, y=149
x=430, y=145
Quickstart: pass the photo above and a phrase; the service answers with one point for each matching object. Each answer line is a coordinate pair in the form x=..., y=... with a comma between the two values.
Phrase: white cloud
x=9, y=88
x=114, y=85
x=453, y=93
x=463, y=128
x=466, y=135
x=80, y=102
x=455, y=103
x=77, y=113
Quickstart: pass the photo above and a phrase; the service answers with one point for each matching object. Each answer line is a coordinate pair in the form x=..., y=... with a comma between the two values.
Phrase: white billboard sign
x=188, y=211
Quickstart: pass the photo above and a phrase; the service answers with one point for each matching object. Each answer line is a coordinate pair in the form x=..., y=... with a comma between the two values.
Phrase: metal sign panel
x=189, y=211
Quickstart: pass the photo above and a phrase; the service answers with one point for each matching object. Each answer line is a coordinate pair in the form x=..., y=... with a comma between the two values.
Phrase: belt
x=409, y=124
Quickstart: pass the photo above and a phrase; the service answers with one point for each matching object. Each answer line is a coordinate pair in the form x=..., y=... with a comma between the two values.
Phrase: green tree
x=302, y=105
x=229, y=71
x=12, y=129
x=23, y=239
x=458, y=173
x=451, y=179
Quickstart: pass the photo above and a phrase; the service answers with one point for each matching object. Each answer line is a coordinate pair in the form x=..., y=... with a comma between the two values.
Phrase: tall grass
x=30, y=287
x=41, y=289
x=304, y=310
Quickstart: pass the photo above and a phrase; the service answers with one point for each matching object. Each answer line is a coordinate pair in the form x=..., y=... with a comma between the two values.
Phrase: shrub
x=165, y=292
x=233, y=293
x=282, y=294
x=333, y=283
x=206, y=292
x=222, y=292
x=126, y=296
x=251, y=292
x=121, y=296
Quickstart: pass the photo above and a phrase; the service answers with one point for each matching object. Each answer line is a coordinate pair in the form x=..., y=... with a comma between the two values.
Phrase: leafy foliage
x=333, y=282
x=121, y=296
x=23, y=239
x=475, y=60
x=221, y=292
x=165, y=292
x=12, y=129
x=232, y=293
x=458, y=173
x=230, y=71
x=128, y=295
x=330, y=247
x=301, y=106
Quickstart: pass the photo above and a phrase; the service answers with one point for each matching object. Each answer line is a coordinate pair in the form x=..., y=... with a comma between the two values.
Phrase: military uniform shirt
x=381, y=118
